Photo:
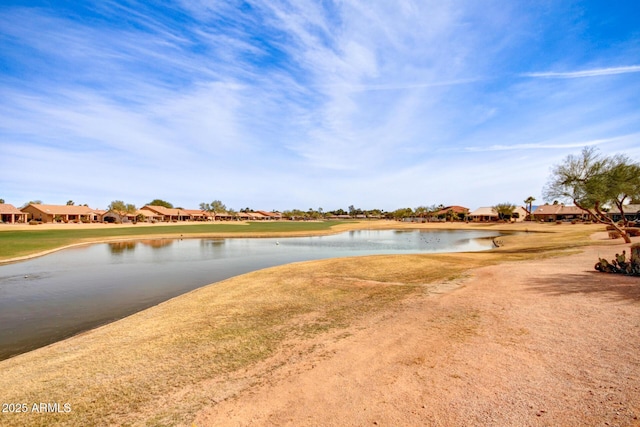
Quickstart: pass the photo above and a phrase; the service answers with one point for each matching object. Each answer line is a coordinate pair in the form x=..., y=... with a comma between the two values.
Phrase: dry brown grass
x=159, y=366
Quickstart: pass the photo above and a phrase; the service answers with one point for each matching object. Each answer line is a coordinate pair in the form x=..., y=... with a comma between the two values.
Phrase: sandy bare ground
x=537, y=343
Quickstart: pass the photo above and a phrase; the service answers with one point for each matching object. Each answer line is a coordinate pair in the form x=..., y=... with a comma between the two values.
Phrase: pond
x=46, y=299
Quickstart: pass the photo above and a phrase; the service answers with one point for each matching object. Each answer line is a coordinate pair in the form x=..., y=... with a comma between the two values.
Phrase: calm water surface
x=53, y=297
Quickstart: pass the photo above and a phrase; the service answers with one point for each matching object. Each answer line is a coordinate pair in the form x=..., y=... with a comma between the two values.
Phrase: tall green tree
x=592, y=181
x=160, y=202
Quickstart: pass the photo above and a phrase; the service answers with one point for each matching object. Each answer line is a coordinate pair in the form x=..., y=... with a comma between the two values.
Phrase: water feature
x=46, y=299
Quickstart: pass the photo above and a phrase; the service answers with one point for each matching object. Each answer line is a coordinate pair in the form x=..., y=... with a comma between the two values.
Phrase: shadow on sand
x=615, y=286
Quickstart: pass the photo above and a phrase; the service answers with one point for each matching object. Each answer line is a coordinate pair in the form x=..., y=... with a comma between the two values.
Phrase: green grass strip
x=17, y=243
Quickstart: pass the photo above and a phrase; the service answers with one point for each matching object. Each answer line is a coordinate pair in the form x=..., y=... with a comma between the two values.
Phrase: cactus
x=620, y=264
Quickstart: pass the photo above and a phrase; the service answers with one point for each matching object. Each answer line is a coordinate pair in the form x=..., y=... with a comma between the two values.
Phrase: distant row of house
x=559, y=212
x=460, y=213
x=151, y=213
x=148, y=213
x=555, y=212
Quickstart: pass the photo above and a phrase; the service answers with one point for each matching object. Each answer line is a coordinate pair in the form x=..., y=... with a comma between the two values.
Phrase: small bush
x=633, y=231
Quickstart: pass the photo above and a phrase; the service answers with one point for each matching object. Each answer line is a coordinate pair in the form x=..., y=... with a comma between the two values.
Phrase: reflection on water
x=157, y=243
x=49, y=298
x=129, y=246
x=120, y=247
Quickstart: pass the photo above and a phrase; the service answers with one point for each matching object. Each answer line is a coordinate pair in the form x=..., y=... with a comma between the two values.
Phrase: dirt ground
x=541, y=342
x=537, y=343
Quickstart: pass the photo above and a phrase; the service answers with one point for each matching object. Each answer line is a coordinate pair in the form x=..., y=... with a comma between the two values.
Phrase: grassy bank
x=24, y=242
x=159, y=366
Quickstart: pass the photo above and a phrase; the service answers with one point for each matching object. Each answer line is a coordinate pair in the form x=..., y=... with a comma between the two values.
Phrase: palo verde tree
x=121, y=208
x=213, y=208
x=623, y=180
x=593, y=182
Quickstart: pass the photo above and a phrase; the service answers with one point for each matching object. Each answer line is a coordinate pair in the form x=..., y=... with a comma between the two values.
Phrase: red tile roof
x=558, y=210
x=62, y=209
x=454, y=209
x=270, y=214
x=630, y=208
x=6, y=208
x=165, y=211
x=196, y=212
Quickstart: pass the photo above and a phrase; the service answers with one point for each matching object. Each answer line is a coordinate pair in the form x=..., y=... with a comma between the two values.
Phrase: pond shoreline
x=335, y=229
x=53, y=297
x=247, y=343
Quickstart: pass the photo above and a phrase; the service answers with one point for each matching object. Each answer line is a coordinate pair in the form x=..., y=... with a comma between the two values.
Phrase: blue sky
x=272, y=104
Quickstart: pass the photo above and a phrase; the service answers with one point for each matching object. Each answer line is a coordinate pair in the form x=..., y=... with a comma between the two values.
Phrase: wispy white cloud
x=597, y=72
x=281, y=104
x=541, y=146
x=404, y=86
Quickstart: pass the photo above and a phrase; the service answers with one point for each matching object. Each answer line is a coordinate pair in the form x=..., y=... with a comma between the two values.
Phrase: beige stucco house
x=559, y=212
x=168, y=214
x=63, y=213
x=10, y=214
x=631, y=212
x=489, y=214
x=484, y=214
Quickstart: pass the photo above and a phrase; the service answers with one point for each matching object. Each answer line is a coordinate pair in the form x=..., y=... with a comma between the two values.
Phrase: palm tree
x=529, y=200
